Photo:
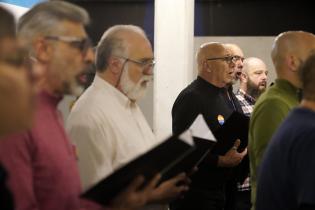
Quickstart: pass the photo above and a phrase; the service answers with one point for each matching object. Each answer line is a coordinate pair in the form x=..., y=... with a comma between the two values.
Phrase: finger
x=153, y=182
x=179, y=177
x=244, y=152
x=236, y=144
x=135, y=184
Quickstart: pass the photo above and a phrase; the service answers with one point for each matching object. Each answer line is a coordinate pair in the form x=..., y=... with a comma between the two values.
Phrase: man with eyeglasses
x=207, y=95
x=106, y=123
x=42, y=162
x=290, y=49
x=238, y=198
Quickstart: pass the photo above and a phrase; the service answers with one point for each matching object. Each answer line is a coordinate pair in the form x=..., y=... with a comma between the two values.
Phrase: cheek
x=134, y=74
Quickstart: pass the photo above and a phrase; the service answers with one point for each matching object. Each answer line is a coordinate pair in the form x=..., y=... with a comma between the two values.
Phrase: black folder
x=204, y=141
x=235, y=127
x=203, y=148
x=159, y=159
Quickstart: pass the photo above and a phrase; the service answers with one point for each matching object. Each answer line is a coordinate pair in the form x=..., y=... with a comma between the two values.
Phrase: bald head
x=253, y=64
x=253, y=80
x=239, y=57
x=209, y=50
x=235, y=49
x=215, y=64
x=294, y=45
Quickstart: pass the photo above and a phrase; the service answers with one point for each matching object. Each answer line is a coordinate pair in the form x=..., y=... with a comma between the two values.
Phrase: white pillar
x=173, y=48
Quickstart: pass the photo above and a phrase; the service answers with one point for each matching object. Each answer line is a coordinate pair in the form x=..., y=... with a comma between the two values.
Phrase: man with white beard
x=105, y=123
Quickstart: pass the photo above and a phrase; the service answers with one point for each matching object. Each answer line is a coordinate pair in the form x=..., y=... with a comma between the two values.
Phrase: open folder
x=174, y=155
x=204, y=140
x=159, y=159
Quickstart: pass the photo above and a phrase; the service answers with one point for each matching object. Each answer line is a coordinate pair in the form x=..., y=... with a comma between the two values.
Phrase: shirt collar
x=205, y=84
x=104, y=85
x=285, y=84
x=246, y=96
x=49, y=99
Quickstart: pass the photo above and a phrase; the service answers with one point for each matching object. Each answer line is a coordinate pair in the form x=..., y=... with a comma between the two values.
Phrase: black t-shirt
x=216, y=105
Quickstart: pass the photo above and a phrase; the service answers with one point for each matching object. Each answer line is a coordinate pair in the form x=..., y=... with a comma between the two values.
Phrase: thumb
x=237, y=144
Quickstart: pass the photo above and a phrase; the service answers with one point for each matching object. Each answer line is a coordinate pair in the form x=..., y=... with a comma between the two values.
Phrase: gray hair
x=114, y=43
x=44, y=18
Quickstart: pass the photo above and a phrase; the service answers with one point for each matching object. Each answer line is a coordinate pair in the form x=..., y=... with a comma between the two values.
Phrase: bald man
x=289, y=51
x=238, y=54
x=207, y=95
x=253, y=81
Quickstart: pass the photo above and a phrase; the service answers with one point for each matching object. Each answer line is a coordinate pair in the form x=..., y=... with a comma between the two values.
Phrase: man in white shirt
x=105, y=123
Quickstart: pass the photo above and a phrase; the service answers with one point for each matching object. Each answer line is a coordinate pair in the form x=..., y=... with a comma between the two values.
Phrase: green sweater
x=270, y=110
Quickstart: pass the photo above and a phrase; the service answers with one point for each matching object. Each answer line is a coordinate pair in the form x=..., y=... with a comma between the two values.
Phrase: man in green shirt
x=289, y=50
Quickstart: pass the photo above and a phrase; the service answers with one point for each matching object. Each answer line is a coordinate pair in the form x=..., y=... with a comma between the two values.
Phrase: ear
x=293, y=63
x=115, y=65
x=43, y=50
x=206, y=66
x=244, y=78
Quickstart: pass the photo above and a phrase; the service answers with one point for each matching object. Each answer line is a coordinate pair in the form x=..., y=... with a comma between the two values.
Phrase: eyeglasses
x=82, y=44
x=228, y=59
x=144, y=63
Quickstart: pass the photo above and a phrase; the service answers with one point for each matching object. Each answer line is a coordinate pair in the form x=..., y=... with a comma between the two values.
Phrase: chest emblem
x=220, y=119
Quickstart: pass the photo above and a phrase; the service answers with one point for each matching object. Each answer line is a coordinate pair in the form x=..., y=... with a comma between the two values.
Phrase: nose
x=148, y=70
x=89, y=56
x=264, y=76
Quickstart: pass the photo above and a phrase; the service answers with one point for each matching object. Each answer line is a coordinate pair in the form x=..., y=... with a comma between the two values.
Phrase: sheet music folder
x=204, y=141
x=159, y=159
x=235, y=127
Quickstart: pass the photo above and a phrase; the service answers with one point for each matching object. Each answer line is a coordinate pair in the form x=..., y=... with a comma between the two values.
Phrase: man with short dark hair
x=286, y=176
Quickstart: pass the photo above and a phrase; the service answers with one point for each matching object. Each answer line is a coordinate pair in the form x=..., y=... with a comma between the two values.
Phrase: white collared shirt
x=108, y=129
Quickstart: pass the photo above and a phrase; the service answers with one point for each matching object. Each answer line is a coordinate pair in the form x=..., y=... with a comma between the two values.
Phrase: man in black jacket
x=208, y=95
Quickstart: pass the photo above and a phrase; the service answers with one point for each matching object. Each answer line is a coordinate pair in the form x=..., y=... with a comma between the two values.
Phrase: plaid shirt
x=247, y=103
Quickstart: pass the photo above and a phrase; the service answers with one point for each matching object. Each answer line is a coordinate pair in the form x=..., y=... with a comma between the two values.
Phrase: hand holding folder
x=158, y=160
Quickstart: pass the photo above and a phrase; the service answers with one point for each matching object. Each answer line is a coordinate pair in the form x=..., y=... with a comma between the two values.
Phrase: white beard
x=134, y=91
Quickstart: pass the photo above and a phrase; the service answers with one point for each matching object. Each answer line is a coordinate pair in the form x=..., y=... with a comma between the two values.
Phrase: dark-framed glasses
x=228, y=59
x=82, y=44
x=143, y=63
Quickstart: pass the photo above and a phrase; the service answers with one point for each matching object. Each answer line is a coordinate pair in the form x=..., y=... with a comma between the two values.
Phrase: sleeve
x=185, y=110
x=265, y=120
x=94, y=148
x=16, y=156
x=303, y=172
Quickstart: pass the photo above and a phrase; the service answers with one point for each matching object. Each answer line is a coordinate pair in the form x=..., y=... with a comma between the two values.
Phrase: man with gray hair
x=42, y=161
x=106, y=123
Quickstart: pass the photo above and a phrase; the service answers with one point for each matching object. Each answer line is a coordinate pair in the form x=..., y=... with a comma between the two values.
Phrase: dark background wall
x=252, y=18
x=212, y=17
x=106, y=13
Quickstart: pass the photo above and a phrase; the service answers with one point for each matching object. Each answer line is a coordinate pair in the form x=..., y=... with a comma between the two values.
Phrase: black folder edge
x=103, y=192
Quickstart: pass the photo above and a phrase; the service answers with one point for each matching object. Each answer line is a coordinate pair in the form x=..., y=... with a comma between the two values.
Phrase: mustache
x=263, y=83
